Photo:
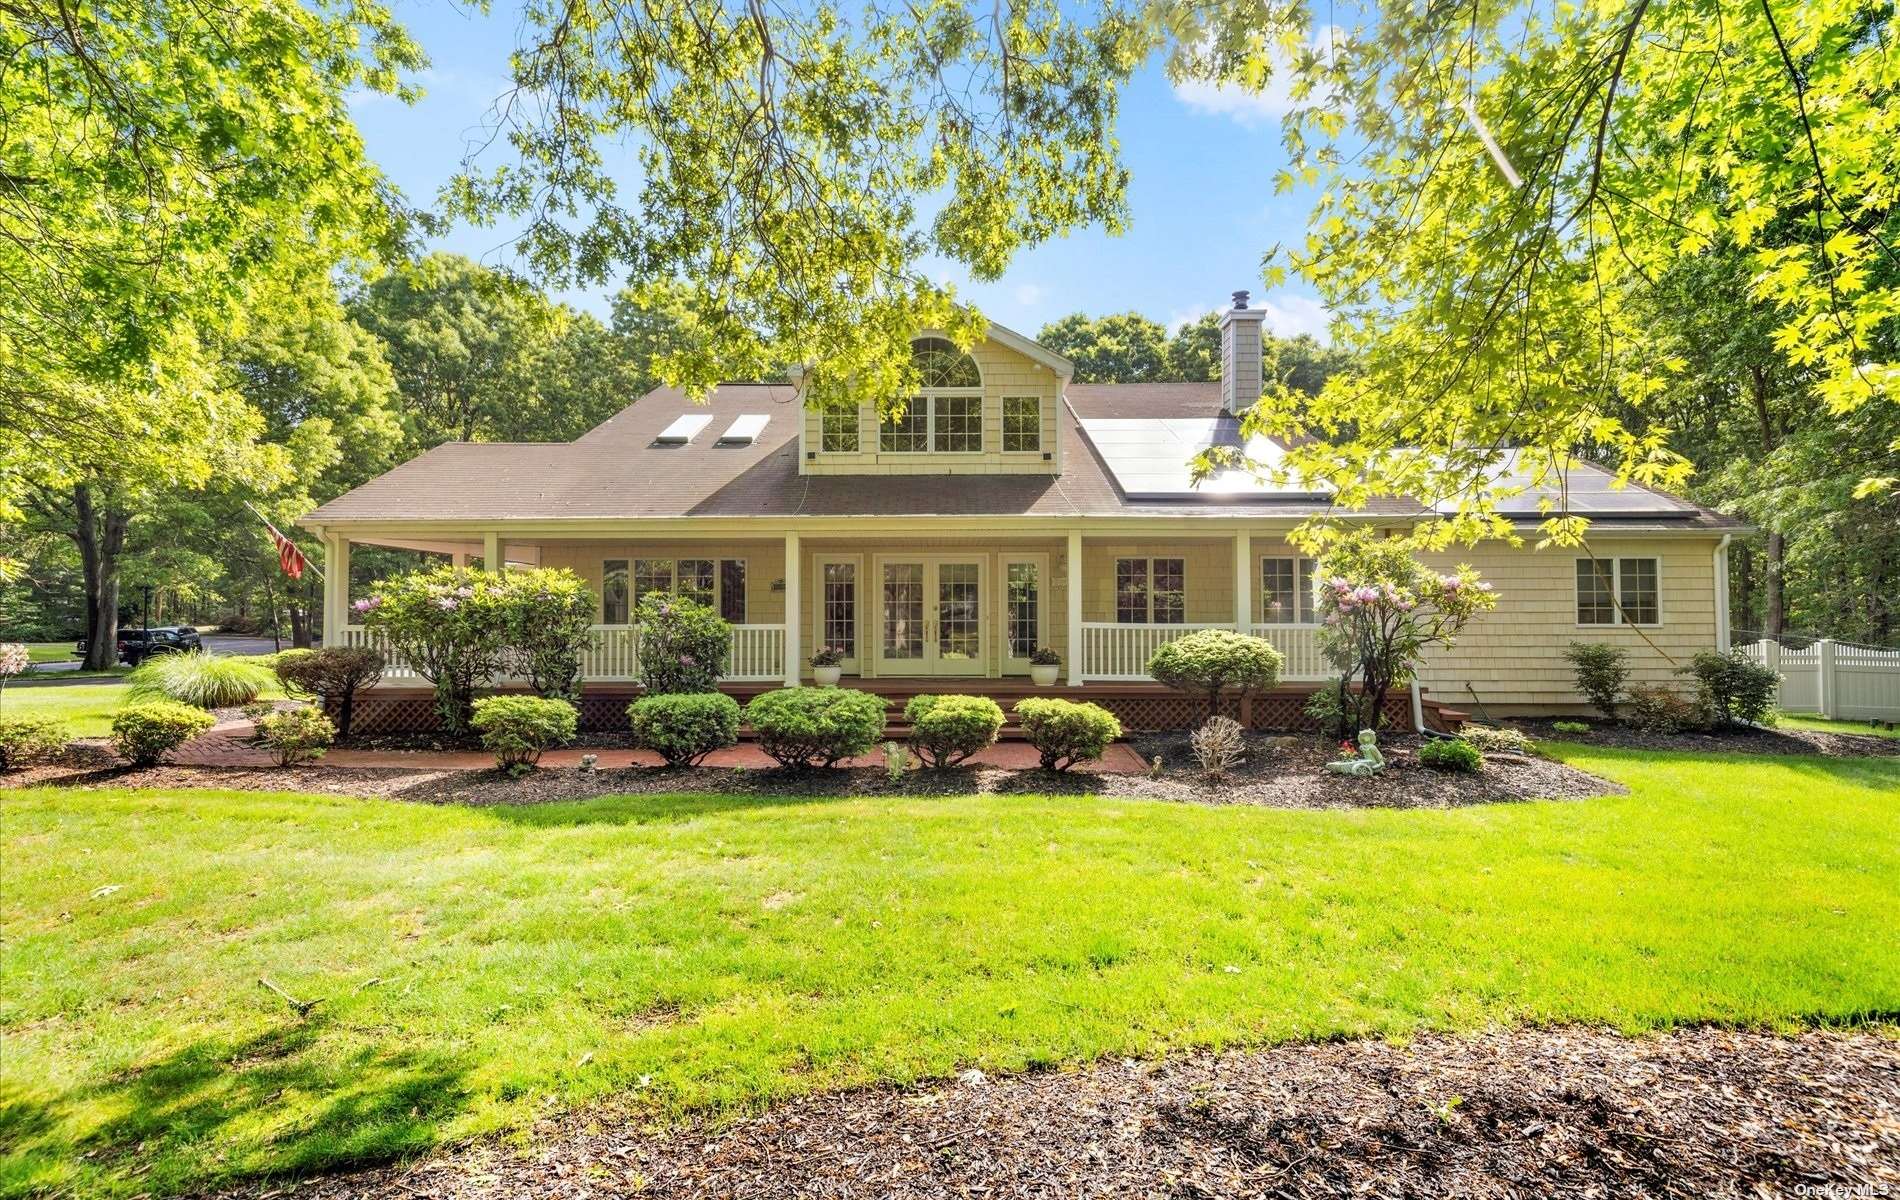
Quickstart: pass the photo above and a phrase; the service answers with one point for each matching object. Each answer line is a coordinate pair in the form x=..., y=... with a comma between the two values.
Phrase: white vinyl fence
x=1835, y=679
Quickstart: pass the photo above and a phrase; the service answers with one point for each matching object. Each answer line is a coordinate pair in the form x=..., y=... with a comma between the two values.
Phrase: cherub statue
x=1369, y=762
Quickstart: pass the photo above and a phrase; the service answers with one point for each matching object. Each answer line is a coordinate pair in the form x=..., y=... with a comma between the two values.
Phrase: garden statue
x=1369, y=762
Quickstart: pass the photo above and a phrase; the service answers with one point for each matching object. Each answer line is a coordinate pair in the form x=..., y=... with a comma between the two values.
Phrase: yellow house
x=1009, y=510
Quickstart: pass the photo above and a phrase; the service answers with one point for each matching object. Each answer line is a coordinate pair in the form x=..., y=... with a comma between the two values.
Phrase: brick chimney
x=1240, y=366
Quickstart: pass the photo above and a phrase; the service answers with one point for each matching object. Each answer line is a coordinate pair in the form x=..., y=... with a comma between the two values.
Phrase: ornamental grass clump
x=1211, y=661
x=1065, y=732
x=815, y=726
x=518, y=729
x=146, y=733
x=684, y=728
x=947, y=730
x=202, y=680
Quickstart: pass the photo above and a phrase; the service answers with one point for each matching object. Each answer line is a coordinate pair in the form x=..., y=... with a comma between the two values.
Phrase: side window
x=1286, y=591
x=840, y=431
x=1022, y=424
x=1150, y=591
x=1639, y=591
x=1131, y=591
x=1621, y=591
x=651, y=575
x=1596, y=592
x=697, y=582
x=732, y=590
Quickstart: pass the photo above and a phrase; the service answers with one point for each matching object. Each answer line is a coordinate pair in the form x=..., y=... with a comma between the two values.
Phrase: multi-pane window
x=1022, y=424
x=1286, y=591
x=613, y=592
x=1621, y=591
x=956, y=424
x=1150, y=591
x=840, y=431
x=1024, y=613
x=909, y=433
x=841, y=608
x=719, y=584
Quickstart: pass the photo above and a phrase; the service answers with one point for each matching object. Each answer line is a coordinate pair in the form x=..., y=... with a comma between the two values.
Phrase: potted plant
x=1044, y=665
x=826, y=666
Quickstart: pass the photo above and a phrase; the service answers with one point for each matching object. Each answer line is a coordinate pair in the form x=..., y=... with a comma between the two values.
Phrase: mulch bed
x=1528, y=1113
x=1279, y=773
x=1725, y=741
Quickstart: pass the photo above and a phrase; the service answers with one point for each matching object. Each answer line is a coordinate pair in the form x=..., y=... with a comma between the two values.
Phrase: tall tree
x=1118, y=348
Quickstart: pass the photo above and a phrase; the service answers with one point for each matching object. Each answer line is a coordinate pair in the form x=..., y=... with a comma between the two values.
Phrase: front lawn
x=86, y=708
x=1827, y=725
x=51, y=652
x=479, y=967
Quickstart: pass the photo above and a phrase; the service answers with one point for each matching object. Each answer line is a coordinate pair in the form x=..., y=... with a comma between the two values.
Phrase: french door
x=930, y=618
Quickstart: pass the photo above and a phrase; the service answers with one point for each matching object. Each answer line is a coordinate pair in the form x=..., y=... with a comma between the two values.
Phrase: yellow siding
x=1005, y=373
x=1209, y=568
x=764, y=560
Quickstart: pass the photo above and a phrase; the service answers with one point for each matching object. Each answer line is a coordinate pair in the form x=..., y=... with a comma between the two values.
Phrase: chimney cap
x=1240, y=298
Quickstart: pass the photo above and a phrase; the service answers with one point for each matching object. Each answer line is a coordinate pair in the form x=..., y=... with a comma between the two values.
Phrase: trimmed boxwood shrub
x=295, y=735
x=1450, y=755
x=1210, y=661
x=146, y=733
x=204, y=680
x=815, y=727
x=333, y=675
x=947, y=730
x=29, y=739
x=684, y=729
x=518, y=728
x=1065, y=732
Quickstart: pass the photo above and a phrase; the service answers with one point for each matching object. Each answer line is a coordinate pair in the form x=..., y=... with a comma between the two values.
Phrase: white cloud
x=1028, y=295
x=1253, y=108
x=1186, y=316
x=1290, y=315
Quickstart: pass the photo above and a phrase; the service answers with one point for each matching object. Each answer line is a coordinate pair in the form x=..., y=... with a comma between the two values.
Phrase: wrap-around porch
x=904, y=607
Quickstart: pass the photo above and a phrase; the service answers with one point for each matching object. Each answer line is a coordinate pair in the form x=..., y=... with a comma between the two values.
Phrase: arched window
x=946, y=416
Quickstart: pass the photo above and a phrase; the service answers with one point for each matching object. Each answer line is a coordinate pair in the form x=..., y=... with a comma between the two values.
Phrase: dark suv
x=135, y=646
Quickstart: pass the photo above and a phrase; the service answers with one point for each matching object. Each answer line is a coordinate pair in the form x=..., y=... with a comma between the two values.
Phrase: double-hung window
x=1618, y=591
x=718, y=583
x=1022, y=424
x=839, y=431
x=1150, y=591
x=1286, y=591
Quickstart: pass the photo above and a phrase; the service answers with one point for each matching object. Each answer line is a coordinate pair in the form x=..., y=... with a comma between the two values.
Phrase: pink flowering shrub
x=1379, y=607
x=450, y=625
x=683, y=645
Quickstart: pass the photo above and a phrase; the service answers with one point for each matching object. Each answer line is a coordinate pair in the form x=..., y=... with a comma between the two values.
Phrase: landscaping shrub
x=29, y=739
x=518, y=728
x=683, y=645
x=450, y=626
x=146, y=733
x=1733, y=689
x=296, y=735
x=947, y=730
x=1379, y=609
x=1210, y=661
x=1065, y=732
x=333, y=675
x=683, y=729
x=1220, y=745
x=549, y=616
x=1323, y=706
x=1602, y=670
x=202, y=680
x=1450, y=755
x=812, y=726
x=1662, y=710
x=1571, y=728
x=1498, y=741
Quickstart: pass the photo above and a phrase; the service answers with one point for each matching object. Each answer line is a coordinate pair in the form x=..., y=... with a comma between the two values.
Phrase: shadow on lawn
x=323, y=1111
x=653, y=809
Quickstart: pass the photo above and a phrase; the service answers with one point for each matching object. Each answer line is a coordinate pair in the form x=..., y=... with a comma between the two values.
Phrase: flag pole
x=280, y=533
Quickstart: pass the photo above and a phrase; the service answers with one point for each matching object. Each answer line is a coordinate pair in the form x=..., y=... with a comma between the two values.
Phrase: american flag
x=289, y=557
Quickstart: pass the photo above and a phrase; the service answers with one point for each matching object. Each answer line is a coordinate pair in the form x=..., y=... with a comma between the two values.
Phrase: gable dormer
x=989, y=411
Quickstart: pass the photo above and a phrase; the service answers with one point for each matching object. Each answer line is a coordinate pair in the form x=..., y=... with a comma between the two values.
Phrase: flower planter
x=827, y=676
x=1045, y=674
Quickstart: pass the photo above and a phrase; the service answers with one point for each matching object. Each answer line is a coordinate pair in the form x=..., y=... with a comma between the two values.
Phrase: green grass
x=1824, y=725
x=50, y=652
x=87, y=708
x=481, y=967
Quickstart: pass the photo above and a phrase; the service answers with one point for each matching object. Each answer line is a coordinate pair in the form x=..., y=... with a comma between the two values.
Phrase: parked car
x=137, y=645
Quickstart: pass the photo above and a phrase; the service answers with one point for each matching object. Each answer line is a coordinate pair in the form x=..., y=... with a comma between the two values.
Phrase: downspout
x=1418, y=710
x=1721, y=594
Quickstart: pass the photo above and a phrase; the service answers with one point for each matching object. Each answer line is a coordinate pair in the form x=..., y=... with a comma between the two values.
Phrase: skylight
x=683, y=430
x=745, y=430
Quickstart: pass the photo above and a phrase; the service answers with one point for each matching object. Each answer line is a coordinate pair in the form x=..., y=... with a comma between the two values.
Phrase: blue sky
x=1201, y=197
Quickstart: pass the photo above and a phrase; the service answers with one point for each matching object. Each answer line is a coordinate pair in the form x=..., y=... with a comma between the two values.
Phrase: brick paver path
x=225, y=746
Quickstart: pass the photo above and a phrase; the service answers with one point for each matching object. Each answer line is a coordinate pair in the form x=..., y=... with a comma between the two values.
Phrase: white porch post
x=1075, y=607
x=491, y=553
x=336, y=588
x=1243, y=581
x=794, y=567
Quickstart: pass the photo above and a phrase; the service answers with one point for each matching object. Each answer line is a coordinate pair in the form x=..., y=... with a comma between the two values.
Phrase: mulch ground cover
x=1278, y=772
x=1724, y=741
x=1525, y=1113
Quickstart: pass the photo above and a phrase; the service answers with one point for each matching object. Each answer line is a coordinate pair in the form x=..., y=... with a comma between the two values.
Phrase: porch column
x=336, y=589
x=794, y=567
x=491, y=553
x=1243, y=581
x=1075, y=607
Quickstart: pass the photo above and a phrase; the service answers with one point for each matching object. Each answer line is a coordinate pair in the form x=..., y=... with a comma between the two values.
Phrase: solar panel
x=745, y=430
x=1584, y=489
x=683, y=429
x=1151, y=458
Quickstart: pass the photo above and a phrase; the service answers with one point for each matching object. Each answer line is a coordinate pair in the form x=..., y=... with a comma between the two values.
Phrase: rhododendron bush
x=1379, y=608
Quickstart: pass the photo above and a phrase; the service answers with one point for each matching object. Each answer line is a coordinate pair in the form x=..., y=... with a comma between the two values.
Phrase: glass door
x=930, y=617
x=837, y=608
x=1024, y=579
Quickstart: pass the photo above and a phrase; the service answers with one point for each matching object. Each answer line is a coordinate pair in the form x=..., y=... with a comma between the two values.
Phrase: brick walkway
x=225, y=747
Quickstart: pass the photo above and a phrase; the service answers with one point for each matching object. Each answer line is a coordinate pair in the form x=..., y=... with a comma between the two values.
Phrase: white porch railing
x=1113, y=651
x=758, y=653
x=1835, y=679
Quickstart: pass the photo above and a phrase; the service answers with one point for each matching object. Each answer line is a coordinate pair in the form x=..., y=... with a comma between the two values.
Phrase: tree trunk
x=100, y=537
